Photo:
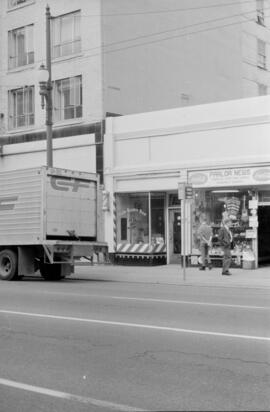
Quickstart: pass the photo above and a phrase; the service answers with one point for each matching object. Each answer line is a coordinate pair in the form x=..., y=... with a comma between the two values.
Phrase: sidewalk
x=173, y=275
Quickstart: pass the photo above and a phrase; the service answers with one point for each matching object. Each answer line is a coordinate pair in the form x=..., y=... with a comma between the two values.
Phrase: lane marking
x=68, y=396
x=181, y=302
x=135, y=325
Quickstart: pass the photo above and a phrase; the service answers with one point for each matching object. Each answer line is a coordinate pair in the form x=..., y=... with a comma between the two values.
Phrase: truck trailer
x=49, y=218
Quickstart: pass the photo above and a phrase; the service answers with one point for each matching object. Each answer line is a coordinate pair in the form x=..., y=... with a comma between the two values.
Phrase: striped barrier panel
x=141, y=248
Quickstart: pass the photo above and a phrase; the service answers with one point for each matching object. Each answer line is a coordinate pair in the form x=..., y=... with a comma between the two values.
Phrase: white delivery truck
x=48, y=219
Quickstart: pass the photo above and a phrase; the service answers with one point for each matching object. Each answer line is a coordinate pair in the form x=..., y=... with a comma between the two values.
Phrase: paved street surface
x=126, y=338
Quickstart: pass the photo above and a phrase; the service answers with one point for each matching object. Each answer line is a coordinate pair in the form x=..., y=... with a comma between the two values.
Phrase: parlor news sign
x=245, y=176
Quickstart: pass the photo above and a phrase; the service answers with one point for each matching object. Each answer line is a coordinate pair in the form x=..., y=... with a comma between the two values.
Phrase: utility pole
x=45, y=83
x=49, y=122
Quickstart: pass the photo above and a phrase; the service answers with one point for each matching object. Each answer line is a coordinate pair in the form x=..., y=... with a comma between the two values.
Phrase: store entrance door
x=264, y=235
x=174, y=235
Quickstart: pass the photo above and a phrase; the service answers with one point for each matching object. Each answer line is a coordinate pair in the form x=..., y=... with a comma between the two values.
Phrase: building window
x=215, y=205
x=67, y=97
x=261, y=54
x=66, y=35
x=262, y=89
x=20, y=47
x=260, y=12
x=157, y=209
x=140, y=218
x=14, y=3
x=21, y=107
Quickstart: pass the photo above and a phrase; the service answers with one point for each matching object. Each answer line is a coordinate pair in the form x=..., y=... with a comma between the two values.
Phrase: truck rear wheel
x=8, y=265
x=50, y=271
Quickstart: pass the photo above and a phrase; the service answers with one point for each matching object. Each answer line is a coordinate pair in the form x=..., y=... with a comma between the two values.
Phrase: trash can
x=248, y=264
x=248, y=259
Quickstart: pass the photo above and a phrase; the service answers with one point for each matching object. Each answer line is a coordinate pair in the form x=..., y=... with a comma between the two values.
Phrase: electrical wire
x=175, y=29
x=216, y=5
x=102, y=48
x=166, y=38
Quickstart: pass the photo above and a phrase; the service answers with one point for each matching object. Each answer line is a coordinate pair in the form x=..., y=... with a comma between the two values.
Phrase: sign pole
x=185, y=191
x=184, y=237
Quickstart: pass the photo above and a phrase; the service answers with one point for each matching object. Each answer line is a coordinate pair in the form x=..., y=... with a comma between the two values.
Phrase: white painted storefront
x=76, y=152
x=222, y=149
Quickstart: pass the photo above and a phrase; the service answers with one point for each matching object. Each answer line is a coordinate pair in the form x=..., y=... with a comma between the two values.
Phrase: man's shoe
x=202, y=268
x=226, y=273
x=210, y=267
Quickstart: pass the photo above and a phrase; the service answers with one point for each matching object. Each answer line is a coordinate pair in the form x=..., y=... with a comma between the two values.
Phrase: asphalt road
x=82, y=345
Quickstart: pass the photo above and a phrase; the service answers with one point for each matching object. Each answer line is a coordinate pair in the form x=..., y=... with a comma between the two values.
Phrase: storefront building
x=243, y=195
x=222, y=150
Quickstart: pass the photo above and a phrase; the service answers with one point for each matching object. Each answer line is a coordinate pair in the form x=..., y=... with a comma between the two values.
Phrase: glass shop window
x=157, y=218
x=132, y=211
x=215, y=205
x=173, y=200
x=140, y=218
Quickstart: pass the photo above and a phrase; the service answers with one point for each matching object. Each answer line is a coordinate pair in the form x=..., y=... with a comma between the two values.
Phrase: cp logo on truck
x=67, y=184
x=8, y=203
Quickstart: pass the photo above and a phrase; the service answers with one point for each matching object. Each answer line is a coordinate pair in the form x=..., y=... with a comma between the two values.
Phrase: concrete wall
x=76, y=152
x=162, y=55
x=252, y=75
x=234, y=132
x=159, y=58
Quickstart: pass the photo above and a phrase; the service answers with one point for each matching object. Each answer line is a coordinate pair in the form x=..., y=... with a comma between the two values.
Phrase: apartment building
x=122, y=57
x=76, y=77
x=169, y=54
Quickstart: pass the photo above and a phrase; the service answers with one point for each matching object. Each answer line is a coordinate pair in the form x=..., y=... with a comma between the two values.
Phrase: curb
x=128, y=274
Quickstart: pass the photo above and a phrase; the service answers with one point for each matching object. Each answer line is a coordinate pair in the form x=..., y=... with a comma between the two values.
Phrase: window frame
x=18, y=3
x=261, y=54
x=61, y=93
x=59, y=43
x=260, y=11
x=141, y=218
x=14, y=50
x=27, y=117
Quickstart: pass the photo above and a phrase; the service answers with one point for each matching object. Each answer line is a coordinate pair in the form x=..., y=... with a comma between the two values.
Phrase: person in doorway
x=205, y=235
x=225, y=238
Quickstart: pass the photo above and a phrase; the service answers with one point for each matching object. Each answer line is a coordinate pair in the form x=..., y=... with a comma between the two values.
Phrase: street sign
x=189, y=192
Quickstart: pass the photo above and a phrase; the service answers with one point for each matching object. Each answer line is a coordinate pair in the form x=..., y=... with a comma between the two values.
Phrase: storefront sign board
x=253, y=221
x=230, y=177
x=251, y=234
x=253, y=204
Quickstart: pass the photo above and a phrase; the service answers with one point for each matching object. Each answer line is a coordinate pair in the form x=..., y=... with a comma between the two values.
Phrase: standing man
x=205, y=235
x=225, y=238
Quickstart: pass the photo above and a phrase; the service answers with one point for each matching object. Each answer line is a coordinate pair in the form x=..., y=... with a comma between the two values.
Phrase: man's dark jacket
x=224, y=237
